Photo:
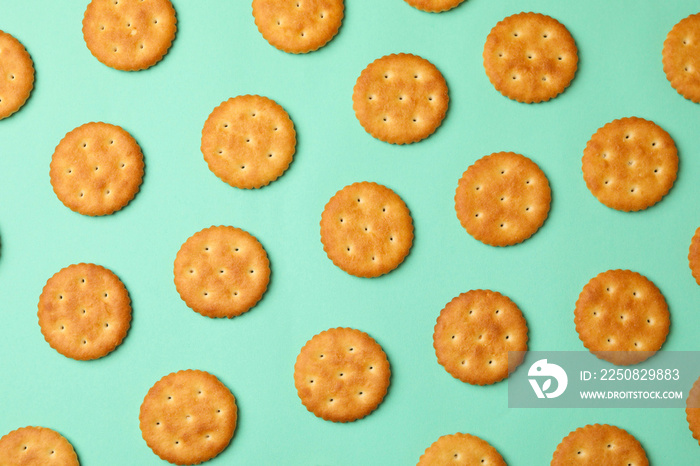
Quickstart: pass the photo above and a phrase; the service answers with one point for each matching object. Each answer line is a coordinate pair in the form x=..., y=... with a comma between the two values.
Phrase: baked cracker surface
x=434, y=6
x=622, y=317
x=221, y=271
x=96, y=169
x=502, y=199
x=84, y=311
x=694, y=256
x=16, y=75
x=475, y=333
x=298, y=26
x=366, y=229
x=461, y=450
x=188, y=417
x=33, y=446
x=248, y=141
x=530, y=57
x=692, y=410
x=630, y=164
x=129, y=35
x=681, y=57
x=341, y=374
x=400, y=98
x=595, y=445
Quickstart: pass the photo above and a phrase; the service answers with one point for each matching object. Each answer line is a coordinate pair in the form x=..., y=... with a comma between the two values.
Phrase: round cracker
x=475, y=333
x=298, y=26
x=597, y=444
x=680, y=57
x=341, y=374
x=16, y=75
x=129, y=35
x=630, y=164
x=400, y=98
x=188, y=417
x=221, y=271
x=96, y=169
x=694, y=256
x=503, y=199
x=692, y=410
x=84, y=311
x=248, y=141
x=366, y=229
x=461, y=450
x=622, y=317
x=36, y=446
x=434, y=6
x=530, y=57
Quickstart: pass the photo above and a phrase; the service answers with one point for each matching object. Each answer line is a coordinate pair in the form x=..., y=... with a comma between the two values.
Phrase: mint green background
x=218, y=53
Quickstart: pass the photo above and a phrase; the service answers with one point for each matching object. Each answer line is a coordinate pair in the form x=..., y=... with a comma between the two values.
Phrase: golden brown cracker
x=84, y=311
x=530, y=57
x=461, y=450
x=16, y=75
x=434, y=6
x=630, y=164
x=96, y=169
x=188, y=417
x=33, y=446
x=681, y=57
x=474, y=333
x=341, y=374
x=595, y=445
x=298, y=26
x=621, y=317
x=503, y=199
x=129, y=35
x=366, y=229
x=221, y=271
x=692, y=409
x=400, y=98
x=694, y=256
x=248, y=141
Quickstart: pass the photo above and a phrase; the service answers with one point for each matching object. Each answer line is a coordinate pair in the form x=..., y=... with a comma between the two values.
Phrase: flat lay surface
x=218, y=53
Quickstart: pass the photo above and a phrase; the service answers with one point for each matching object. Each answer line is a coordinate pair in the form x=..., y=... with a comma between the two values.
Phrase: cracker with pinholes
x=188, y=417
x=474, y=333
x=692, y=410
x=630, y=164
x=530, y=57
x=36, y=446
x=621, y=317
x=503, y=199
x=341, y=374
x=400, y=98
x=434, y=6
x=694, y=256
x=16, y=75
x=298, y=26
x=366, y=229
x=681, y=57
x=84, y=311
x=129, y=35
x=248, y=141
x=461, y=450
x=597, y=444
x=221, y=271
x=96, y=169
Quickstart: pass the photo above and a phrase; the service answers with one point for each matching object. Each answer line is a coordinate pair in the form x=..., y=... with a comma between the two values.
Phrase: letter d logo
x=542, y=368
